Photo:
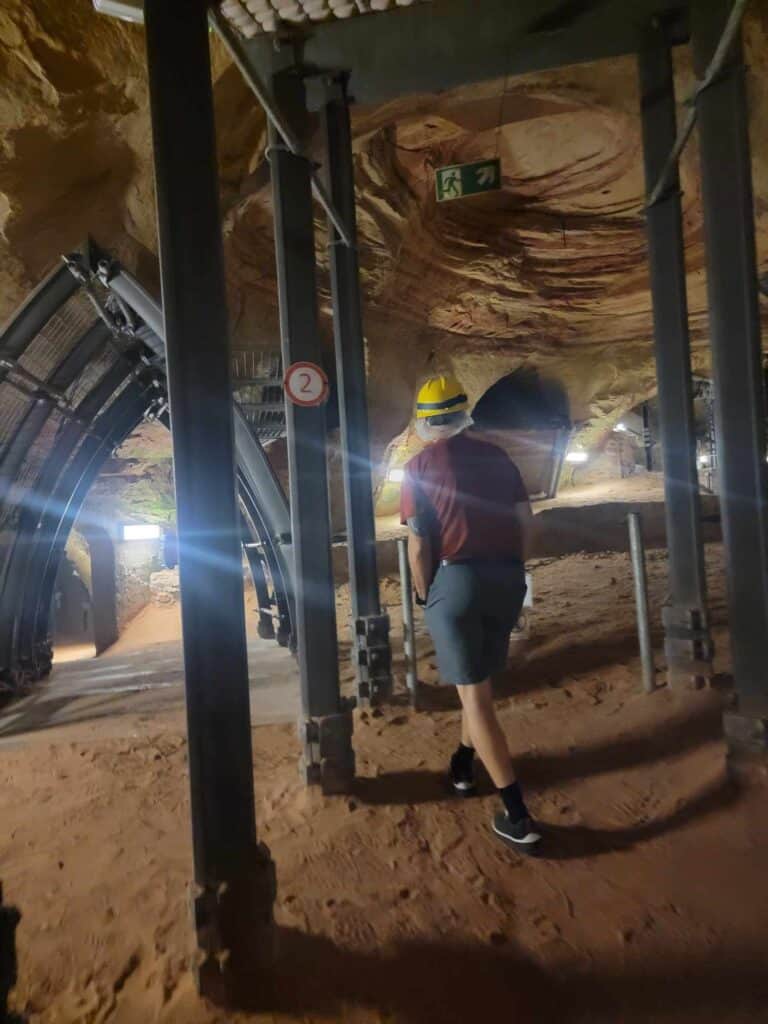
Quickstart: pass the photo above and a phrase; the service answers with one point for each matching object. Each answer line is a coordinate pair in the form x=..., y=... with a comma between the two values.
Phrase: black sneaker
x=462, y=776
x=521, y=834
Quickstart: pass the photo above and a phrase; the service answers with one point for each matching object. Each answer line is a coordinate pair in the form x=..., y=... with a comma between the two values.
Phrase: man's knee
x=477, y=698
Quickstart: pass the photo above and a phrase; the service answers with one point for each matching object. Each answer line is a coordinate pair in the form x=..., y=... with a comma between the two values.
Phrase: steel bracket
x=328, y=759
x=234, y=923
x=688, y=646
x=373, y=659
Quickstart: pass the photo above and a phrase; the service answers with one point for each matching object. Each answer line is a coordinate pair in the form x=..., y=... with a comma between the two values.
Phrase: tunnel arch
x=82, y=364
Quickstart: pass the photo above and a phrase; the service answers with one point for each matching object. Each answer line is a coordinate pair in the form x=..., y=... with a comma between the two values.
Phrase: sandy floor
x=397, y=906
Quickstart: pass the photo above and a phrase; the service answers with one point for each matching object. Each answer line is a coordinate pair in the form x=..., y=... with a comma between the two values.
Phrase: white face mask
x=428, y=432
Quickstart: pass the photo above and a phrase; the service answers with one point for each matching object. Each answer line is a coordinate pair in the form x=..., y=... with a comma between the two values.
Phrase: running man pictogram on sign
x=467, y=179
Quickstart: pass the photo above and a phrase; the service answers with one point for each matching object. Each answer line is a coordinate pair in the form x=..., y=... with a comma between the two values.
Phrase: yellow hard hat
x=439, y=396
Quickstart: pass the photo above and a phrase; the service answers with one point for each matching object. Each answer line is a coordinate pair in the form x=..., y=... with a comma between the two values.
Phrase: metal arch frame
x=22, y=554
x=31, y=650
x=260, y=489
x=36, y=312
x=45, y=520
x=44, y=401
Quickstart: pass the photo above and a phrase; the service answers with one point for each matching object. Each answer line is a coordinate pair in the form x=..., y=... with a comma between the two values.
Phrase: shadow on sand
x=440, y=983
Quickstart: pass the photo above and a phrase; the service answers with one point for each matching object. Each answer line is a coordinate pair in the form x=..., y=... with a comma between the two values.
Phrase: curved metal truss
x=82, y=364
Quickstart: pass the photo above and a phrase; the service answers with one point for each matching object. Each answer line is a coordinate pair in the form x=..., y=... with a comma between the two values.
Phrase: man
x=469, y=520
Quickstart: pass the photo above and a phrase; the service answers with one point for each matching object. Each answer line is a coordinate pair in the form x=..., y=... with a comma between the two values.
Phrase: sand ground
x=396, y=904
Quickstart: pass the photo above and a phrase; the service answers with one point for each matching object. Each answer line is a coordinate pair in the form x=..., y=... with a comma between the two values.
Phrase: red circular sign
x=306, y=384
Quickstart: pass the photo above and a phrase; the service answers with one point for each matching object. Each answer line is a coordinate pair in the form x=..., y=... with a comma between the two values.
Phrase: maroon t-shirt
x=466, y=490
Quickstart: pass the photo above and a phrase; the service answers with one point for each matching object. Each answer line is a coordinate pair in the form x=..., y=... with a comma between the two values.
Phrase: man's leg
x=482, y=728
x=462, y=773
x=466, y=738
x=479, y=716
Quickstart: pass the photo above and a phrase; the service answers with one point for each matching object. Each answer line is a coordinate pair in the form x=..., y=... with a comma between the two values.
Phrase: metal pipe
x=409, y=629
x=275, y=117
x=233, y=906
x=669, y=171
x=637, y=550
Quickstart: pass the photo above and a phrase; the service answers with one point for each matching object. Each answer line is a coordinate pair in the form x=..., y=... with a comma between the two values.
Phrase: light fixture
x=141, y=531
x=396, y=476
x=703, y=460
x=126, y=10
x=576, y=456
x=621, y=428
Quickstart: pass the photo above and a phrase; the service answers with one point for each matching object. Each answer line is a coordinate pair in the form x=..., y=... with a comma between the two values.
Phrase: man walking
x=469, y=520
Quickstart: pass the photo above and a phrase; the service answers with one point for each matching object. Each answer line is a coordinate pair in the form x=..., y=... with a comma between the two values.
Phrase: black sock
x=464, y=756
x=513, y=802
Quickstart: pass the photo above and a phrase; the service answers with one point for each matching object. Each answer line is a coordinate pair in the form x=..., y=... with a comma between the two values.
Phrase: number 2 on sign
x=306, y=384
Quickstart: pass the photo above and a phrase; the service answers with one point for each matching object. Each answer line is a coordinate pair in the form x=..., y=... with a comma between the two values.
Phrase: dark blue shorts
x=472, y=608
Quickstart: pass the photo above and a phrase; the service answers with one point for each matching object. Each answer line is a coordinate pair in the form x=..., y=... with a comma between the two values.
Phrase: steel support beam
x=234, y=874
x=370, y=628
x=30, y=650
x=687, y=643
x=327, y=722
x=413, y=49
x=39, y=512
x=734, y=324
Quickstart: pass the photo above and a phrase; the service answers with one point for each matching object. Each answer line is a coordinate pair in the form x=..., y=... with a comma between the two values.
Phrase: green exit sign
x=467, y=179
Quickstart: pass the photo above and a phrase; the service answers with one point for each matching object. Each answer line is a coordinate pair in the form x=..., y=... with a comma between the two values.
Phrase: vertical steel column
x=326, y=726
x=687, y=642
x=234, y=875
x=370, y=627
x=736, y=362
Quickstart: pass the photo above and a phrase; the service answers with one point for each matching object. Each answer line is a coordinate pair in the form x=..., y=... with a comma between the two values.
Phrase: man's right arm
x=524, y=515
x=420, y=556
x=414, y=514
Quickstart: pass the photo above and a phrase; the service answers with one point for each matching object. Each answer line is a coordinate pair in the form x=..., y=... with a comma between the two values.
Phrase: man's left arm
x=420, y=557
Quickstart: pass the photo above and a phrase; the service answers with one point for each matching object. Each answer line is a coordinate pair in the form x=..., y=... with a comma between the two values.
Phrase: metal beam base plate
x=688, y=648
x=374, y=660
x=328, y=760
